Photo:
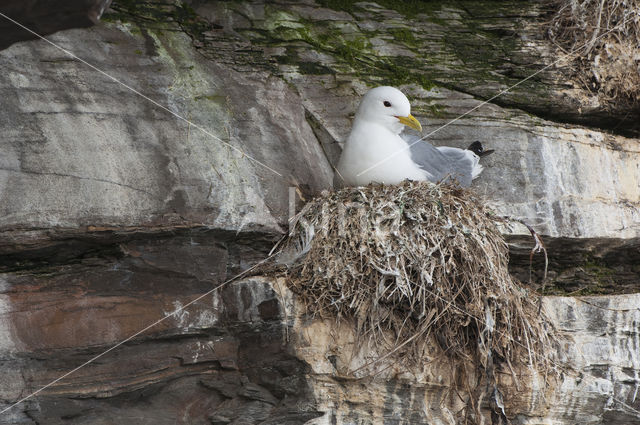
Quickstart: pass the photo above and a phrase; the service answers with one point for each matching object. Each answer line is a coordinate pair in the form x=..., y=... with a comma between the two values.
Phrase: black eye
x=387, y=103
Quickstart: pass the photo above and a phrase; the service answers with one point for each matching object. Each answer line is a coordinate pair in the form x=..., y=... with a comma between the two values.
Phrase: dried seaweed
x=412, y=263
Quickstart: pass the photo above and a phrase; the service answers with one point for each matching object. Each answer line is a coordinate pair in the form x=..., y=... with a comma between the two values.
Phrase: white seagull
x=376, y=151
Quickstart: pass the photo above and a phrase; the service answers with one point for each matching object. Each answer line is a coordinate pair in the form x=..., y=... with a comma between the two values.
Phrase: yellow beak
x=410, y=121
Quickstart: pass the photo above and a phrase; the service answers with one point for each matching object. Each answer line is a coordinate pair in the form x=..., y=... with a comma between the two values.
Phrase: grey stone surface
x=567, y=181
x=598, y=357
x=114, y=212
x=602, y=350
x=221, y=361
x=80, y=149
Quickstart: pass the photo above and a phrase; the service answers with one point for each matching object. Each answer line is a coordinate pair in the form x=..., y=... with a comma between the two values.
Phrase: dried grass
x=606, y=35
x=419, y=268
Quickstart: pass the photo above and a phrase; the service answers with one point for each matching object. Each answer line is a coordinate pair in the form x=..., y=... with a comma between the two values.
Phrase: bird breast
x=373, y=153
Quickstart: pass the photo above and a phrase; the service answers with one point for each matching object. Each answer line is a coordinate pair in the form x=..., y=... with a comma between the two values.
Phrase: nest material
x=413, y=265
x=606, y=37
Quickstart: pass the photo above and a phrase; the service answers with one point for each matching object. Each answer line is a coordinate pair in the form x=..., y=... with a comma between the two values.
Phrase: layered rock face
x=117, y=210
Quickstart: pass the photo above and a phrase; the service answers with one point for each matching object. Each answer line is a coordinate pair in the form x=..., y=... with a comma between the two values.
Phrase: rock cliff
x=116, y=212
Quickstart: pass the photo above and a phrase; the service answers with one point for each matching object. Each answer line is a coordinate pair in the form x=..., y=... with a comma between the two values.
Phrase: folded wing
x=444, y=163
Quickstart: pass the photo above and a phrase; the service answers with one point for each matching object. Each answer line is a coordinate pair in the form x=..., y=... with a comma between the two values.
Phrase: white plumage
x=376, y=151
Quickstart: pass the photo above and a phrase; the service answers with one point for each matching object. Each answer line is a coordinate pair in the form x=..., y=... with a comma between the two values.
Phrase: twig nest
x=605, y=37
x=416, y=266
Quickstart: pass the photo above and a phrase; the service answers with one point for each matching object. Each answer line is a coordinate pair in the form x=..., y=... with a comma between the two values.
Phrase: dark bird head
x=477, y=148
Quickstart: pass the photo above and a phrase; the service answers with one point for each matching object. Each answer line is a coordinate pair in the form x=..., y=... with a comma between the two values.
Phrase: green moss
x=285, y=33
x=436, y=110
x=161, y=15
x=186, y=16
x=281, y=27
x=403, y=35
x=404, y=71
x=128, y=10
x=592, y=277
x=351, y=51
x=601, y=272
x=465, y=60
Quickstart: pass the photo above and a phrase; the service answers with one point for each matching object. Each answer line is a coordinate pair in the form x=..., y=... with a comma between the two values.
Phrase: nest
x=605, y=35
x=416, y=266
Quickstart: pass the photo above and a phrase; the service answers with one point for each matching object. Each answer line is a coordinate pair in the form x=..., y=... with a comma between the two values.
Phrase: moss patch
x=404, y=35
x=162, y=15
x=464, y=51
x=593, y=277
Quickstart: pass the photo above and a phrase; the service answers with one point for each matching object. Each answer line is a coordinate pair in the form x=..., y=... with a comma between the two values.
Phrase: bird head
x=387, y=106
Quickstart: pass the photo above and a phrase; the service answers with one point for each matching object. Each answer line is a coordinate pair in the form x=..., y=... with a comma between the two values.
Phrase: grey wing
x=442, y=163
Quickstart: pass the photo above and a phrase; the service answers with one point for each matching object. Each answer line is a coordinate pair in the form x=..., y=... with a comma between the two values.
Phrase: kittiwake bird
x=376, y=151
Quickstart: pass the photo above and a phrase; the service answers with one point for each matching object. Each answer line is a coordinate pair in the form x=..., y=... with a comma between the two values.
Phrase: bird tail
x=477, y=148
